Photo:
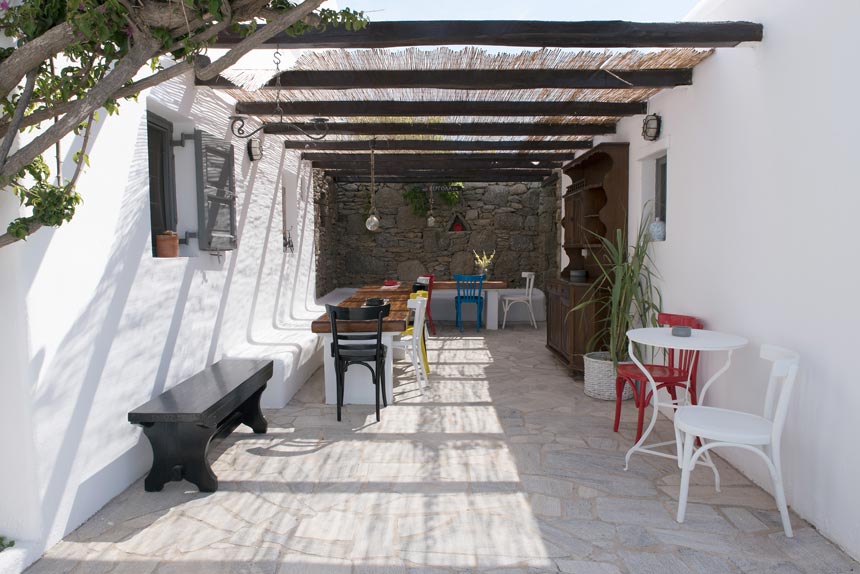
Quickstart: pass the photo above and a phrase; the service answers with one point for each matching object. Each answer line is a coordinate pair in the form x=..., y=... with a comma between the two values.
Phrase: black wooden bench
x=181, y=423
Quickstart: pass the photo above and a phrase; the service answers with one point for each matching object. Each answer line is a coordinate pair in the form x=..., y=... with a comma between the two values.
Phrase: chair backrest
x=783, y=372
x=470, y=286
x=684, y=360
x=419, y=305
x=530, y=283
x=427, y=280
x=343, y=315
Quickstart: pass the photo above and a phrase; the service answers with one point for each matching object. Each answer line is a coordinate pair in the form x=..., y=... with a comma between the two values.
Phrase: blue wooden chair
x=470, y=289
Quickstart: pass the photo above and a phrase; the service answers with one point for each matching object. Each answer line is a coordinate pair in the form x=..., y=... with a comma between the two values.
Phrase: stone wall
x=517, y=220
x=325, y=238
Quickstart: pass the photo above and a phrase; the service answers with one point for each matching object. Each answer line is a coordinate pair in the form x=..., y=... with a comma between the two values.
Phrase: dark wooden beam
x=452, y=173
x=446, y=108
x=594, y=34
x=451, y=129
x=440, y=145
x=431, y=177
x=395, y=157
x=406, y=163
x=473, y=79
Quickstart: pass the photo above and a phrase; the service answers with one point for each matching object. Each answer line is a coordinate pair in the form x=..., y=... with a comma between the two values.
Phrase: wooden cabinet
x=568, y=332
x=595, y=205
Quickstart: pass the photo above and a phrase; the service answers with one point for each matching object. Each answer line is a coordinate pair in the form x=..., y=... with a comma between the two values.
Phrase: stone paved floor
x=502, y=466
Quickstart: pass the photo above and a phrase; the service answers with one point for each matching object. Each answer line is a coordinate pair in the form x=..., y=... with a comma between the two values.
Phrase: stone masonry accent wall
x=325, y=239
x=517, y=220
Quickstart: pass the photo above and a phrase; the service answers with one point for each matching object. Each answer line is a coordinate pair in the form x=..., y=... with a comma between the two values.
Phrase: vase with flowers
x=483, y=262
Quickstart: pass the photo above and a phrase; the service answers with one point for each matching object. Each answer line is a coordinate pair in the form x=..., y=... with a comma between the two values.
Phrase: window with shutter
x=162, y=182
x=216, y=193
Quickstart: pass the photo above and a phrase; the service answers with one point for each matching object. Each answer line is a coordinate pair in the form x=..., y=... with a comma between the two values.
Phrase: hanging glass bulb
x=372, y=223
x=431, y=221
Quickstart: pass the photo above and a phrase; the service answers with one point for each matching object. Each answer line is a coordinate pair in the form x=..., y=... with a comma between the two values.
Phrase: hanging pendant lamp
x=372, y=222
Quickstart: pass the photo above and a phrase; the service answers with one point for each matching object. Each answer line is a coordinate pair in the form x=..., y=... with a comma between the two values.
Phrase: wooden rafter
x=331, y=157
x=406, y=164
x=594, y=34
x=439, y=108
x=452, y=129
x=504, y=79
x=440, y=145
x=445, y=177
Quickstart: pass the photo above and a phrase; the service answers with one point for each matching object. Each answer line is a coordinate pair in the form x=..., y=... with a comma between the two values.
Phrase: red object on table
x=390, y=282
x=670, y=376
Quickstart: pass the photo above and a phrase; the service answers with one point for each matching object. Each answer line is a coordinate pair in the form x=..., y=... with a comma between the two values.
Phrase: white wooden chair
x=724, y=427
x=520, y=297
x=410, y=340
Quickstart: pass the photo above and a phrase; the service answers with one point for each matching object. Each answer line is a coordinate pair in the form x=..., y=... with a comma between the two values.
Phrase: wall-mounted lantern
x=255, y=149
x=651, y=127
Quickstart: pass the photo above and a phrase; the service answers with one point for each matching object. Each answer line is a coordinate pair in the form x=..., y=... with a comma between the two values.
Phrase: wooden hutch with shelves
x=594, y=204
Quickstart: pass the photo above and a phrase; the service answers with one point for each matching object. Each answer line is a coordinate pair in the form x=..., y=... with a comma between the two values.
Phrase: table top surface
x=398, y=295
x=699, y=339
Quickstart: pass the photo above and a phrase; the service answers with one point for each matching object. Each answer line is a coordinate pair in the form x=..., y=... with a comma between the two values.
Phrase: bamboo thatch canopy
x=457, y=102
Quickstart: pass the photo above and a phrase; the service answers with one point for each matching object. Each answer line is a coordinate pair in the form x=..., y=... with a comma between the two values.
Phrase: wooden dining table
x=397, y=319
x=359, y=388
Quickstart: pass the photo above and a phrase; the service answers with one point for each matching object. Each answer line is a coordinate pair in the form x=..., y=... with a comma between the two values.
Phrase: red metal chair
x=428, y=280
x=680, y=366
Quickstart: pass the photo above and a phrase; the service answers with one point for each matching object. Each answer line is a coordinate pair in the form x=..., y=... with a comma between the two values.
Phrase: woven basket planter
x=600, y=378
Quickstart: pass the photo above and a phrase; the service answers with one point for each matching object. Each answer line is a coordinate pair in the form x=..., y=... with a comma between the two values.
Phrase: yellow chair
x=411, y=343
x=425, y=295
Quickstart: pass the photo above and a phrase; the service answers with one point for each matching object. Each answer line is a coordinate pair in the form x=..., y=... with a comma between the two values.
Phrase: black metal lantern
x=255, y=149
x=651, y=127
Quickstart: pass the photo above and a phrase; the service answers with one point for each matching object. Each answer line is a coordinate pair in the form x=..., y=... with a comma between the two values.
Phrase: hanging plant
x=451, y=196
x=416, y=197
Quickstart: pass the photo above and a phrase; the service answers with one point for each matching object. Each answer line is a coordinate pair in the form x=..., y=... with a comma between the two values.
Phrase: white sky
x=633, y=10
x=570, y=10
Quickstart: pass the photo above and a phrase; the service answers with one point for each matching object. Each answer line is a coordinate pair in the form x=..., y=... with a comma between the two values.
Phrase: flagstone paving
x=503, y=465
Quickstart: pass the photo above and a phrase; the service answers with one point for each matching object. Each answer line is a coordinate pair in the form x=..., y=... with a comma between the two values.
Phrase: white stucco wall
x=762, y=216
x=93, y=325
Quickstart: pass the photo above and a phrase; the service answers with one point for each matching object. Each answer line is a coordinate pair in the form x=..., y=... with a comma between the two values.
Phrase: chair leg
x=377, y=389
x=381, y=378
x=619, y=391
x=480, y=313
x=687, y=458
x=339, y=392
x=505, y=307
x=532, y=313
x=458, y=309
x=429, y=320
x=414, y=351
x=779, y=492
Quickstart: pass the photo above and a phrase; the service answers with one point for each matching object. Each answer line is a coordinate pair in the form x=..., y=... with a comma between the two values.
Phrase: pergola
x=468, y=114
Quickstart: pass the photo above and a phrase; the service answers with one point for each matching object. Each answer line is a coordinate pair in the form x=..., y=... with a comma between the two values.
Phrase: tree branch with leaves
x=102, y=45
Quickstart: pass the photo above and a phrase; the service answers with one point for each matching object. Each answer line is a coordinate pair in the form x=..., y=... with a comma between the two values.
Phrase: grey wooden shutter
x=216, y=193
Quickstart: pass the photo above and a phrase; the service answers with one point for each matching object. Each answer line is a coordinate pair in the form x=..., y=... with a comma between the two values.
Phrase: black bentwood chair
x=365, y=349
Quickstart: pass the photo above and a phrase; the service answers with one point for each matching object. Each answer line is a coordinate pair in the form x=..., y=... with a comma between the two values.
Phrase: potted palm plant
x=625, y=297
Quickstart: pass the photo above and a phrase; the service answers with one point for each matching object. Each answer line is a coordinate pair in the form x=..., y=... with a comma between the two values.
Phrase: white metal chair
x=519, y=297
x=410, y=340
x=758, y=434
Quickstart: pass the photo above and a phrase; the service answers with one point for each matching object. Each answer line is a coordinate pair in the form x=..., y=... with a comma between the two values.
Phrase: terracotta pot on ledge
x=167, y=244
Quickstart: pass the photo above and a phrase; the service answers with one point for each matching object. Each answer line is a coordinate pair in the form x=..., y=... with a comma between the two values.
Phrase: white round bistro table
x=699, y=340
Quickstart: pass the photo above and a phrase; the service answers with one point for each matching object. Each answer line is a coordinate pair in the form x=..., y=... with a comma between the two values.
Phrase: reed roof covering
x=252, y=84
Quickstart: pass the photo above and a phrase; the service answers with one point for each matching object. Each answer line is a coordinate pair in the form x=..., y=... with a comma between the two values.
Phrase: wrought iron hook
x=237, y=127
